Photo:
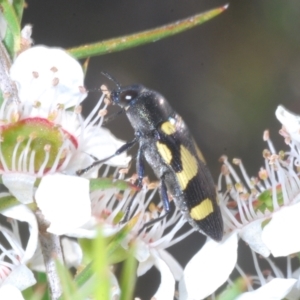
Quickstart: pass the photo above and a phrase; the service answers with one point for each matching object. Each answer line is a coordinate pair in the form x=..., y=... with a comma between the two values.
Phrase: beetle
x=166, y=143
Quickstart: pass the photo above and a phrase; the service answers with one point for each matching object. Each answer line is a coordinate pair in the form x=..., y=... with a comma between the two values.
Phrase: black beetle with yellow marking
x=168, y=146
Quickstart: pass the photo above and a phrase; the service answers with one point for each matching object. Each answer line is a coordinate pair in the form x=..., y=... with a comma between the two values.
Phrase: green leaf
x=8, y=201
x=108, y=183
x=69, y=288
x=84, y=275
x=13, y=33
x=40, y=290
x=108, y=254
x=232, y=292
x=128, y=276
x=19, y=8
x=137, y=39
x=101, y=269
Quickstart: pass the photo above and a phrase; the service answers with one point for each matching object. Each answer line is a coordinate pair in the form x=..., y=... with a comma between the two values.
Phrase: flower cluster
x=44, y=142
x=263, y=211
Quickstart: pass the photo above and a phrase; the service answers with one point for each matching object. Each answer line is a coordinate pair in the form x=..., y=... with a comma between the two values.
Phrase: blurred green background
x=225, y=78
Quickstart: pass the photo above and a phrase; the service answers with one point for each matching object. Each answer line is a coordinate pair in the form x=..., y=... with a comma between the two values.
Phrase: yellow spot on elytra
x=202, y=210
x=164, y=151
x=189, y=167
x=168, y=128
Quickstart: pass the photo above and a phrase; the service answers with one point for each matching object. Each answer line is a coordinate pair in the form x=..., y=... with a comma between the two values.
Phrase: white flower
x=45, y=137
x=61, y=191
x=272, y=283
x=108, y=208
x=10, y=292
x=151, y=245
x=263, y=212
x=276, y=289
x=13, y=269
x=217, y=260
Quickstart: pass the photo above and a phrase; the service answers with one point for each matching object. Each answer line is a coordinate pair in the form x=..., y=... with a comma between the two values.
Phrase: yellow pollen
x=15, y=117
x=20, y=139
x=52, y=116
x=47, y=148
x=33, y=135
x=36, y=104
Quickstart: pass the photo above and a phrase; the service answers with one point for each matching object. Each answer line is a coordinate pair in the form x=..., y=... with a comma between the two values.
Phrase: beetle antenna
x=114, y=80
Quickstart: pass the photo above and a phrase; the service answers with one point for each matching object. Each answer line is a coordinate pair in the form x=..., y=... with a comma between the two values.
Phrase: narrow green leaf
x=107, y=183
x=68, y=286
x=101, y=269
x=41, y=288
x=128, y=276
x=12, y=37
x=232, y=292
x=137, y=39
x=19, y=8
x=8, y=201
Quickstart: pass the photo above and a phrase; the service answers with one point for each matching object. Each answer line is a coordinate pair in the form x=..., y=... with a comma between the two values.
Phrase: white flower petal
x=209, y=268
x=24, y=214
x=20, y=185
x=64, y=201
x=142, y=252
x=115, y=288
x=20, y=277
x=276, y=289
x=167, y=282
x=48, y=75
x=172, y=263
x=72, y=252
x=36, y=263
x=280, y=234
x=104, y=144
x=10, y=292
x=290, y=121
x=251, y=234
x=145, y=266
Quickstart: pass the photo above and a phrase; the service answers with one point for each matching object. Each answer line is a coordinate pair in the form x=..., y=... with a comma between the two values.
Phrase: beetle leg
x=166, y=204
x=122, y=149
x=140, y=166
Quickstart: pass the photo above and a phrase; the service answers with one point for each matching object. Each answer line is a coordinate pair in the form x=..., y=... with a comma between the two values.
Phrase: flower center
x=29, y=144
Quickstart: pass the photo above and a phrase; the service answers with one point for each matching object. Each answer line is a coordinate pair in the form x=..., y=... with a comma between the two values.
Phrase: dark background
x=225, y=77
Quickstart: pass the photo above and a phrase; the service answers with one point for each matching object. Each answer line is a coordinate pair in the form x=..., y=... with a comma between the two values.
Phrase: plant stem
x=51, y=249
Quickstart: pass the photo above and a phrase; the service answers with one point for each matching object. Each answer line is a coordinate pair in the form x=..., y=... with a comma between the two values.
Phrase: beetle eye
x=127, y=96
